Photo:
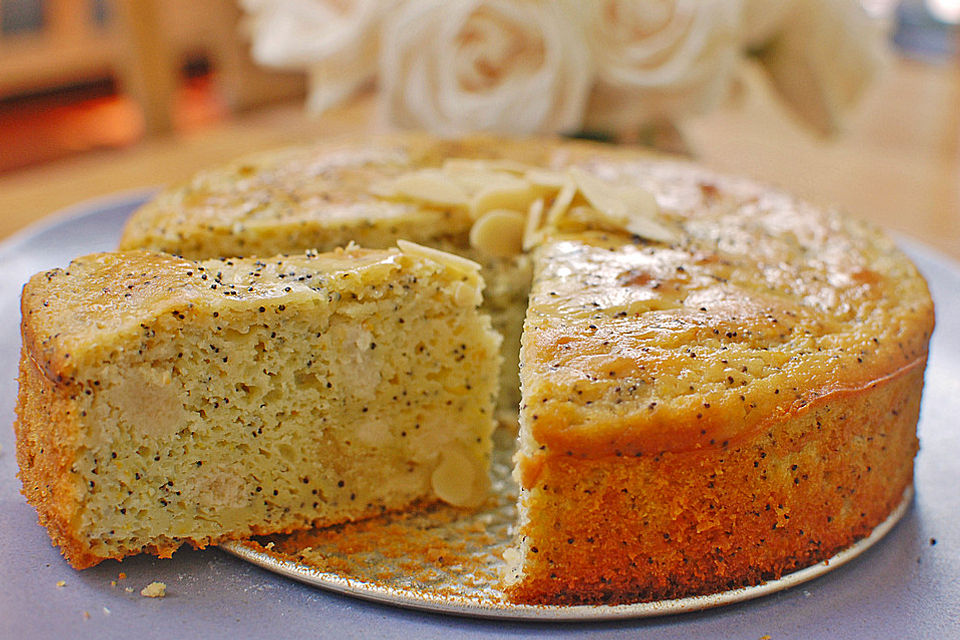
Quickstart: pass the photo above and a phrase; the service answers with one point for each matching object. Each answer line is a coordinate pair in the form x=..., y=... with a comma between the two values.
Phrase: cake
x=714, y=413
x=166, y=401
x=718, y=383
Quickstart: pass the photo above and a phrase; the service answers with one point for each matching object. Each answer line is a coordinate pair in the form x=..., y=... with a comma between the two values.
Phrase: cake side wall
x=46, y=432
x=622, y=529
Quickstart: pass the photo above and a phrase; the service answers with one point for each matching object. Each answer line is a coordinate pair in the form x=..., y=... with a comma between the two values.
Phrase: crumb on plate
x=154, y=590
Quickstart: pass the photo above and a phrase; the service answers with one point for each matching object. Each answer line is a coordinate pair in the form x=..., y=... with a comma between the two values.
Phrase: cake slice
x=165, y=401
x=713, y=410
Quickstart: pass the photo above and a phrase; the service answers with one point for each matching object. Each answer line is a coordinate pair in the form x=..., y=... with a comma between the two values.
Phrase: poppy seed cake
x=720, y=383
x=165, y=401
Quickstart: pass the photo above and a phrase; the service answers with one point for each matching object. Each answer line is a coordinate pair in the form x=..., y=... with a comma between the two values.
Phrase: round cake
x=718, y=383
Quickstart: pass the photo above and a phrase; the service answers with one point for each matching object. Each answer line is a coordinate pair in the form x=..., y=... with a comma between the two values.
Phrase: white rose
x=494, y=65
x=659, y=59
x=823, y=59
x=334, y=41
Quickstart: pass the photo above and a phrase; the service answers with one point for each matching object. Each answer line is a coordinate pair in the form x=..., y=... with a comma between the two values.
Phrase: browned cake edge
x=46, y=433
x=614, y=530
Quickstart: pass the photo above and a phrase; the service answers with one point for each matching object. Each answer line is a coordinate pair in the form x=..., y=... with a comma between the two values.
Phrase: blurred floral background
x=609, y=67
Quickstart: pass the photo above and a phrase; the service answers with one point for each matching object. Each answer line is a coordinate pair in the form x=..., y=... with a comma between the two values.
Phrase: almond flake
x=474, y=180
x=562, y=202
x=430, y=186
x=624, y=207
x=531, y=230
x=457, y=263
x=651, y=230
x=601, y=195
x=545, y=178
x=498, y=233
x=511, y=193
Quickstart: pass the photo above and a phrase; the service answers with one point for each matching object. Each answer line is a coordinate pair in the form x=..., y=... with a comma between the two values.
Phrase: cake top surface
x=89, y=305
x=759, y=305
x=329, y=185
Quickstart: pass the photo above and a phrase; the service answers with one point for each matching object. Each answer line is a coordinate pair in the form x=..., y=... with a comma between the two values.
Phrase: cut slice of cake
x=165, y=401
x=714, y=410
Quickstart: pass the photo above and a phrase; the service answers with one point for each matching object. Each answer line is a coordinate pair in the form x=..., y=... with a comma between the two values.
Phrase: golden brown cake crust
x=638, y=348
x=45, y=425
x=708, y=520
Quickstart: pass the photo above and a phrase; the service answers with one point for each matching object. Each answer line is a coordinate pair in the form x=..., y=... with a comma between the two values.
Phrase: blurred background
x=103, y=96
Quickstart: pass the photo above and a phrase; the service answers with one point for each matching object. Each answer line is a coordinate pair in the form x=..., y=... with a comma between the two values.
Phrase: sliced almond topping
x=455, y=262
x=545, y=178
x=531, y=230
x=651, y=230
x=498, y=233
x=625, y=207
x=562, y=202
x=511, y=193
x=430, y=186
x=639, y=201
x=474, y=180
x=601, y=195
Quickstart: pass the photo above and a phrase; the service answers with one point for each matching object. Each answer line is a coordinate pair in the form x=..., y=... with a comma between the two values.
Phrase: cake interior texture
x=166, y=401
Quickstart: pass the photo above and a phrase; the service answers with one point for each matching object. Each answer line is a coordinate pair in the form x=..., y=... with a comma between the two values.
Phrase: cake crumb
x=86, y=615
x=121, y=576
x=128, y=589
x=61, y=583
x=933, y=541
x=113, y=583
x=154, y=590
x=106, y=611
